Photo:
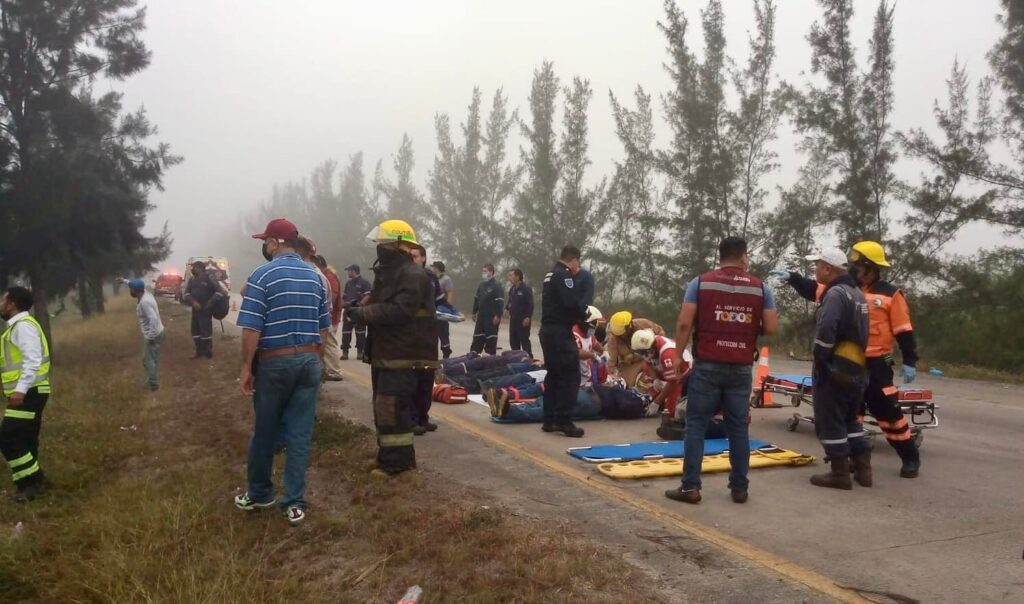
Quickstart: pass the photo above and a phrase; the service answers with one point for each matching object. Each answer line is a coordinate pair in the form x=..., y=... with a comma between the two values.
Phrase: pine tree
x=579, y=209
x=52, y=52
x=634, y=244
x=499, y=178
x=941, y=206
x=402, y=198
x=535, y=207
x=849, y=116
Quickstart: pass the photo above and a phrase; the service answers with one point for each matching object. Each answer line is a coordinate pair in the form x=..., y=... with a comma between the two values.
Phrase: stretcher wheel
x=918, y=438
x=792, y=424
x=795, y=400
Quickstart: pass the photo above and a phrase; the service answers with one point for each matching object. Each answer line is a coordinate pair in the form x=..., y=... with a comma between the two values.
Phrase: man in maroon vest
x=725, y=310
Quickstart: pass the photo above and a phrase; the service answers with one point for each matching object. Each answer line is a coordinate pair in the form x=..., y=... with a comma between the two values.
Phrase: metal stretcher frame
x=916, y=405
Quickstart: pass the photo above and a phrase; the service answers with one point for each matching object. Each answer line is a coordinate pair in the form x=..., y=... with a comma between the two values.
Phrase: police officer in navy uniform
x=520, y=312
x=561, y=308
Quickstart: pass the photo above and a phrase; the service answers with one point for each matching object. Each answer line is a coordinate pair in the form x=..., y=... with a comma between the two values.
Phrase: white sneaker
x=295, y=515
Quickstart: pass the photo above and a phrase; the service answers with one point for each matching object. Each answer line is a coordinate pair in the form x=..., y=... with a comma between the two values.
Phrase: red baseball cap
x=279, y=228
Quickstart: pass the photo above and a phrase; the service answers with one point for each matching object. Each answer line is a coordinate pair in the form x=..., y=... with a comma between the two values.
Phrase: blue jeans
x=716, y=386
x=587, y=407
x=286, y=391
x=151, y=360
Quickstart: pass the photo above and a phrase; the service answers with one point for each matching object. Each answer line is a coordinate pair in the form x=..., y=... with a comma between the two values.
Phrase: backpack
x=220, y=308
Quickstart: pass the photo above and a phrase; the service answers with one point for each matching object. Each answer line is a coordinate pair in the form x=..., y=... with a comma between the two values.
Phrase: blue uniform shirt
x=286, y=302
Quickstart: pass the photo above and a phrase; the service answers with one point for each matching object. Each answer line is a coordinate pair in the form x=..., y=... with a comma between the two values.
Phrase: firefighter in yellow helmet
x=621, y=358
x=888, y=324
x=401, y=341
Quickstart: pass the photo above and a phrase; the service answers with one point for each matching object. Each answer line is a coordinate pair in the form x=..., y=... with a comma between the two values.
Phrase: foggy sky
x=254, y=92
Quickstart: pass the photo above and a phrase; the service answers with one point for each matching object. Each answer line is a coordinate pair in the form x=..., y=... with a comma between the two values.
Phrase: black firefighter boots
x=908, y=452
x=862, y=468
x=837, y=478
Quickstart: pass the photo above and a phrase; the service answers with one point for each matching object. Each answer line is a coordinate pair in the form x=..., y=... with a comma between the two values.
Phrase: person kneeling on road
x=621, y=359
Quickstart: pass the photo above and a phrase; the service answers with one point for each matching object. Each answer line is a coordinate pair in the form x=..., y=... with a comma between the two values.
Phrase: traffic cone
x=762, y=373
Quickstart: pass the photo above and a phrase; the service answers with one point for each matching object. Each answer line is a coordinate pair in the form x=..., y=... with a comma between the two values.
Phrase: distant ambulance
x=169, y=283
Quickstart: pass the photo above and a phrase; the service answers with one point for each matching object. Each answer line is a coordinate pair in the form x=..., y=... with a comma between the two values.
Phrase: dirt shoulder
x=140, y=503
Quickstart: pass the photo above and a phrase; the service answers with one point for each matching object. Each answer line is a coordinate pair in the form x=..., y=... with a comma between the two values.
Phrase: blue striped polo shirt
x=286, y=302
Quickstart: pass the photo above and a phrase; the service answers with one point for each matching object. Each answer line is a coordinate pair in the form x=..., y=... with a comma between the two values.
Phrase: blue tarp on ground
x=650, y=450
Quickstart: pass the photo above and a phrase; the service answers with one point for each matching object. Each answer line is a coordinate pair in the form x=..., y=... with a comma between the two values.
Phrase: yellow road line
x=769, y=561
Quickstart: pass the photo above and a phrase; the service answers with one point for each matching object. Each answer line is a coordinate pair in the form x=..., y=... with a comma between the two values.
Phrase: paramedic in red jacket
x=725, y=310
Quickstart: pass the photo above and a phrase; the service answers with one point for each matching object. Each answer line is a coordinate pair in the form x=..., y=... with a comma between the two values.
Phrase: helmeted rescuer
x=25, y=363
x=839, y=373
x=488, y=306
x=659, y=354
x=726, y=310
x=401, y=340
x=621, y=358
x=561, y=308
x=889, y=323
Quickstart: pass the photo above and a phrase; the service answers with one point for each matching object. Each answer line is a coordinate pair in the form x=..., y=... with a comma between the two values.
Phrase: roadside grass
x=972, y=372
x=139, y=506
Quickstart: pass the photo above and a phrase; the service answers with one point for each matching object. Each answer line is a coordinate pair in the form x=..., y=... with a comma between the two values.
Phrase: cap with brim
x=831, y=256
x=136, y=284
x=279, y=228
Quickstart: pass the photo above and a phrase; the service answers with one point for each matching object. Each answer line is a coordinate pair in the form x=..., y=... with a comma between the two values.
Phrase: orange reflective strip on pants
x=890, y=390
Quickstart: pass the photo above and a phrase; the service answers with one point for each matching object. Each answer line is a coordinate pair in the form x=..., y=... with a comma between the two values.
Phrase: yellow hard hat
x=391, y=231
x=871, y=251
x=619, y=322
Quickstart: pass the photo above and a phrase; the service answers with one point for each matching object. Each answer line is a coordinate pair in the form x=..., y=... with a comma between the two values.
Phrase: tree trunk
x=40, y=306
x=84, y=300
x=96, y=293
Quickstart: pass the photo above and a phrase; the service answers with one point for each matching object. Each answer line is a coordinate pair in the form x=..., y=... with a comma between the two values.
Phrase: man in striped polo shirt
x=284, y=317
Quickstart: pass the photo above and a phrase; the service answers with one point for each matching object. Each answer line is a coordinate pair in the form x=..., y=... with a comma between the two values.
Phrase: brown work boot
x=678, y=494
x=837, y=478
x=862, y=468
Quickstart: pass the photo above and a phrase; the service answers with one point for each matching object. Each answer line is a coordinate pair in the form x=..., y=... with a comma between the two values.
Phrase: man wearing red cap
x=285, y=316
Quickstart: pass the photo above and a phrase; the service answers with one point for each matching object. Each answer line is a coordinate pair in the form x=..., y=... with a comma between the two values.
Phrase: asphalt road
x=955, y=534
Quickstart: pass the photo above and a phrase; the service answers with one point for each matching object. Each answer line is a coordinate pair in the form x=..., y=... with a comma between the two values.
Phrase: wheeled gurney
x=916, y=404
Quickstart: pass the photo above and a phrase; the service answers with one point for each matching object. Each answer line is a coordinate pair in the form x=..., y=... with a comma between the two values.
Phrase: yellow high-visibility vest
x=11, y=360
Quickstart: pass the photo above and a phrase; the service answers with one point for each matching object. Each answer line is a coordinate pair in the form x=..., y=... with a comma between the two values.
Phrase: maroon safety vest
x=730, y=305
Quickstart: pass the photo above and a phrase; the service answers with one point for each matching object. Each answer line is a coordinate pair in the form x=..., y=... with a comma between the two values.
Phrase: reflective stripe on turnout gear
x=19, y=414
x=26, y=472
x=395, y=440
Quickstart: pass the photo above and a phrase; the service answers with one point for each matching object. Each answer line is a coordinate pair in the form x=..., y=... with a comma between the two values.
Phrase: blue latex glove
x=909, y=374
x=780, y=275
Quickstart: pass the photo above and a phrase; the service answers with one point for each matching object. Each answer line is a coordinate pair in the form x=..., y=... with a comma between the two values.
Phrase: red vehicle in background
x=168, y=283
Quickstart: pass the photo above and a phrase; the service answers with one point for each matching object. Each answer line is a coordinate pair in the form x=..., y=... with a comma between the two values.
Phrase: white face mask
x=484, y=276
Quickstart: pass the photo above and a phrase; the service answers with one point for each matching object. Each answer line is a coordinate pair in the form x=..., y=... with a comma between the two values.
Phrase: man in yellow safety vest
x=25, y=363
